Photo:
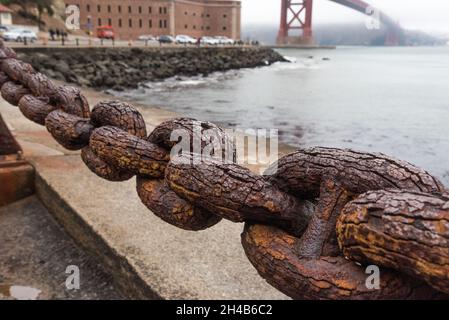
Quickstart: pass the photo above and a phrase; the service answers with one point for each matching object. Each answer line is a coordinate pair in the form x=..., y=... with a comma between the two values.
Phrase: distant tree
x=22, y=3
x=41, y=5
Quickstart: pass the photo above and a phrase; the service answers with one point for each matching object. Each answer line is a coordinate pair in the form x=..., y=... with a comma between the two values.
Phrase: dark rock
x=122, y=68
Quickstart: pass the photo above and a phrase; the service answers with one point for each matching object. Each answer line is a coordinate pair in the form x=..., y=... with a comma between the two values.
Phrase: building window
x=224, y=28
x=194, y=27
x=160, y=23
x=207, y=15
x=99, y=21
x=194, y=14
x=140, y=9
x=130, y=23
x=224, y=16
x=140, y=23
x=207, y=28
x=109, y=8
x=88, y=8
x=150, y=9
x=165, y=10
x=98, y=8
x=119, y=9
x=150, y=24
x=165, y=23
x=120, y=23
x=185, y=26
x=160, y=10
x=129, y=9
x=109, y=22
x=185, y=13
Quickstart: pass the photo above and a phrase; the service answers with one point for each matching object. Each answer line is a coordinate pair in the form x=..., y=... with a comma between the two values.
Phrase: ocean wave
x=179, y=83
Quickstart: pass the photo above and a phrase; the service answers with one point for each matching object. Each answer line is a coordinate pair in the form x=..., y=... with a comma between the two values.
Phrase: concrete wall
x=5, y=18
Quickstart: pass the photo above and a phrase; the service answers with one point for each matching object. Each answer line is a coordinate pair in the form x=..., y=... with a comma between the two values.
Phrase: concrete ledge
x=148, y=258
x=124, y=276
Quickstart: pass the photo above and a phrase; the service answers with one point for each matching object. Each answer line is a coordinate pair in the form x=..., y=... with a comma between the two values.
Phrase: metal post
x=282, y=34
x=307, y=28
x=295, y=15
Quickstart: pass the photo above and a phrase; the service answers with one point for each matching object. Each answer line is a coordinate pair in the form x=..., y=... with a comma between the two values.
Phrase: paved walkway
x=35, y=253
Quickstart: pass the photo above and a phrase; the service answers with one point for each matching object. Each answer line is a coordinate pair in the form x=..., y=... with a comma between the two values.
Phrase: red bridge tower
x=296, y=15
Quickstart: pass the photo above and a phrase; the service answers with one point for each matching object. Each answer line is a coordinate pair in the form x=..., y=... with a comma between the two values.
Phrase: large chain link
x=303, y=222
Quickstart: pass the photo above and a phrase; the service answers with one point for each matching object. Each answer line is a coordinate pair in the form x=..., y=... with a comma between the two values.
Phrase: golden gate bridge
x=297, y=15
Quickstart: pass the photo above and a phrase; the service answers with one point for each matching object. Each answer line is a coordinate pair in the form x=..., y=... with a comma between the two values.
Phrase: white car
x=209, y=40
x=183, y=39
x=19, y=35
x=146, y=37
x=224, y=40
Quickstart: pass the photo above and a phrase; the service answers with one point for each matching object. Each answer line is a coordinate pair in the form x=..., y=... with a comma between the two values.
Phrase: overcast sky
x=425, y=15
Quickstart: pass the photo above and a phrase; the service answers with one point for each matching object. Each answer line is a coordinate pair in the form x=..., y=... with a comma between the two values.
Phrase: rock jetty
x=125, y=68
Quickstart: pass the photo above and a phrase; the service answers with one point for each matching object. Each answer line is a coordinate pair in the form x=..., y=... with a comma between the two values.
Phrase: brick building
x=131, y=18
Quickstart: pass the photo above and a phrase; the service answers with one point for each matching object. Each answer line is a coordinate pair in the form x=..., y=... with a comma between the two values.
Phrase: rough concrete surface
x=147, y=257
x=35, y=253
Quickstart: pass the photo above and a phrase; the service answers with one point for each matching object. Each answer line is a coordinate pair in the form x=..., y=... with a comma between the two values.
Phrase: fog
x=428, y=15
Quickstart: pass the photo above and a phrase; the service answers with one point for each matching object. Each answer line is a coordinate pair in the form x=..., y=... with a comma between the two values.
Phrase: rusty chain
x=308, y=226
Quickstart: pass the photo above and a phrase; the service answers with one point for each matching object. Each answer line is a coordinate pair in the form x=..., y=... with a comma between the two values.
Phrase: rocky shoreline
x=125, y=68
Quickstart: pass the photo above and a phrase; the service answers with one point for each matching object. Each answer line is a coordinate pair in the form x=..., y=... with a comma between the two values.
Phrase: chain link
x=303, y=223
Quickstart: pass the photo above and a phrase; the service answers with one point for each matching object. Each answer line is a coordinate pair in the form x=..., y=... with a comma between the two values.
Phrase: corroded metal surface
x=291, y=234
x=275, y=254
x=71, y=131
x=16, y=175
x=167, y=205
x=8, y=144
x=235, y=193
x=406, y=231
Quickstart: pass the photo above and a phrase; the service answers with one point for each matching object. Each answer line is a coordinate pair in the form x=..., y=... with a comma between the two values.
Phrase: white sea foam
x=179, y=83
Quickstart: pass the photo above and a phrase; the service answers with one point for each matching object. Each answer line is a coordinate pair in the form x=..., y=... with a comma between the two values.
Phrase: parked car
x=166, y=39
x=146, y=37
x=209, y=41
x=19, y=35
x=224, y=40
x=183, y=39
x=3, y=29
x=105, y=32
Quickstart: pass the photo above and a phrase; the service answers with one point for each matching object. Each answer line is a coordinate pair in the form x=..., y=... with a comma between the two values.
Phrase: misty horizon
x=435, y=33
x=430, y=17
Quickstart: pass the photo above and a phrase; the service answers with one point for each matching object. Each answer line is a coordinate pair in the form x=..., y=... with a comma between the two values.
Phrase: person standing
x=52, y=34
